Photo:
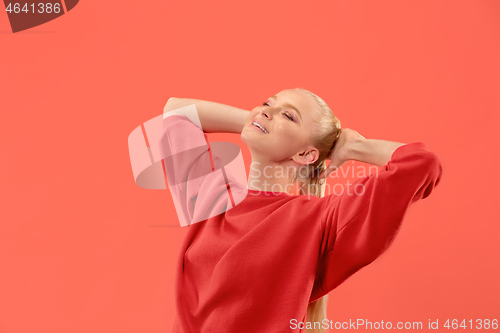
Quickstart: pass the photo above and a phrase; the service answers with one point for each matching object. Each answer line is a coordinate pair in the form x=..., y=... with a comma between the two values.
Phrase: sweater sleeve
x=359, y=225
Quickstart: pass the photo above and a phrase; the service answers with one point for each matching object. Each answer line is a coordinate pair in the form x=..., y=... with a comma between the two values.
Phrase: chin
x=250, y=140
x=244, y=136
x=249, y=135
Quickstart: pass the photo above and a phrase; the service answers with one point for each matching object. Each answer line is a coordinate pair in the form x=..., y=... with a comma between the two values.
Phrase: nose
x=266, y=113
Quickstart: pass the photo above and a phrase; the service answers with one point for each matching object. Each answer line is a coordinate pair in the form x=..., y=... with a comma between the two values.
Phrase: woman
x=268, y=264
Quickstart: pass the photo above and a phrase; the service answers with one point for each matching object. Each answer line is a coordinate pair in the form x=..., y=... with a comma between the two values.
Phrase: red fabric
x=257, y=266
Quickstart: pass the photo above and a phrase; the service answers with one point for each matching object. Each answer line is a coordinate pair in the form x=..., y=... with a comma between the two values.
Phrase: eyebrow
x=289, y=106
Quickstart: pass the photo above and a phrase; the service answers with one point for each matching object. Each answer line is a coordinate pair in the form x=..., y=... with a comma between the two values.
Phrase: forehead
x=300, y=99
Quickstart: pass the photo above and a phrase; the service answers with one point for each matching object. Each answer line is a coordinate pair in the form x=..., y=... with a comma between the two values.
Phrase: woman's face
x=287, y=121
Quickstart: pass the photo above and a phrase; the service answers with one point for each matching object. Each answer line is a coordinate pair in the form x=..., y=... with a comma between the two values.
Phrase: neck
x=270, y=177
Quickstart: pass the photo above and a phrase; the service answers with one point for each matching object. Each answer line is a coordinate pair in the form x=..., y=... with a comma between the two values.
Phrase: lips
x=257, y=123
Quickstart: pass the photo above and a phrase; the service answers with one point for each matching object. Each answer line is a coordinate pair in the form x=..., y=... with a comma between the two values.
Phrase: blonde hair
x=326, y=133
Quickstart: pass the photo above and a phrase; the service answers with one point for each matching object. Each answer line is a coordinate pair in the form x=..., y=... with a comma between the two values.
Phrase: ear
x=307, y=156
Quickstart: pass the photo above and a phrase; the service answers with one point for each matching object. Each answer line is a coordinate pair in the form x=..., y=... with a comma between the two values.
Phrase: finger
x=322, y=176
x=329, y=169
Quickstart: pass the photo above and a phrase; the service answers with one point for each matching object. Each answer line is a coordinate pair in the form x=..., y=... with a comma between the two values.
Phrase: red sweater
x=257, y=266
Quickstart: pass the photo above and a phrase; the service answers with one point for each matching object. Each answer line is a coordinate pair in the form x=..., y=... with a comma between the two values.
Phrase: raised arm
x=360, y=224
x=214, y=117
x=353, y=146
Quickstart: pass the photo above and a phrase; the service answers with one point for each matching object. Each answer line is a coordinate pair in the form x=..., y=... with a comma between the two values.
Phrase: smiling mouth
x=262, y=128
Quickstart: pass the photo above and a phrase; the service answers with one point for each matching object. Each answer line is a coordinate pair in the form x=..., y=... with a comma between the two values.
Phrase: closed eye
x=286, y=114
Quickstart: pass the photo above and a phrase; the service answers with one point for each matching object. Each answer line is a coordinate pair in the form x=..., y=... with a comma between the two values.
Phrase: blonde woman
x=268, y=264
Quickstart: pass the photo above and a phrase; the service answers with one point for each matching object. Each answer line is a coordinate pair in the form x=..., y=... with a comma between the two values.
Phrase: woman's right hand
x=342, y=151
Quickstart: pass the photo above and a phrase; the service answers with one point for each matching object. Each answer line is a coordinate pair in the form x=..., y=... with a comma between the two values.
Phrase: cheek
x=289, y=138
x=253, y=113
